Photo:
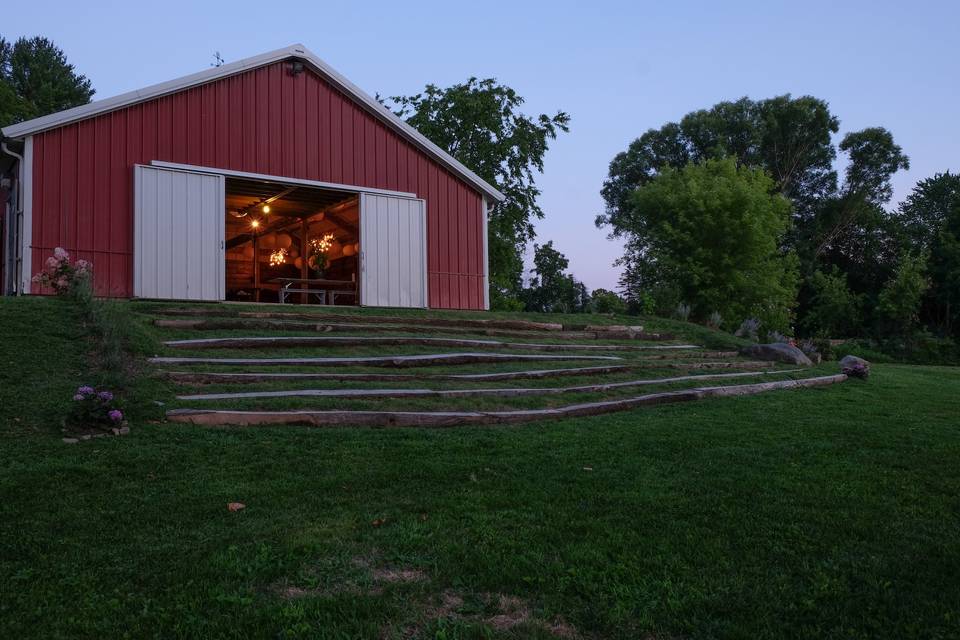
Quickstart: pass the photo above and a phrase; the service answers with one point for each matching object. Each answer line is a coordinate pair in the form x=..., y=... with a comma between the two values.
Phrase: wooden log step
x=333, y=327
x=232, y=377
x=266, y=342
x=218, y=417
x=492, y=323
x=213, y=311
x=459, y=393
x=420, y=360
x=221, y=377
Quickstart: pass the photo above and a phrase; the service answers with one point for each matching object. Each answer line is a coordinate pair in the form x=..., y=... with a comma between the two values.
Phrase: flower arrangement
x=62, y=275
x=95, y=409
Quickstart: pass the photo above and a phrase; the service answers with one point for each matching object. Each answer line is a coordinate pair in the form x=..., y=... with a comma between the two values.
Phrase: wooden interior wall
x=262, y=121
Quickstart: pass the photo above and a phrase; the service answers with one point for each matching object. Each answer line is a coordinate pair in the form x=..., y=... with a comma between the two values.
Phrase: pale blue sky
x=618, y=68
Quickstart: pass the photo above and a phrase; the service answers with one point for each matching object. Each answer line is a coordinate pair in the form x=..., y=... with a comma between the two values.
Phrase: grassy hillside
x=816, y=513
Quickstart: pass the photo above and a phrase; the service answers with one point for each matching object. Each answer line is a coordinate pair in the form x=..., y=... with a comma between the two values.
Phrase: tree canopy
x=551, y=288
x=708, y=235
x=479, y=123
x=36, y=79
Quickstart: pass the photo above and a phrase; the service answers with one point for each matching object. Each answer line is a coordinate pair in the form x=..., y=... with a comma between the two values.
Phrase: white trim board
x=484, y=212
x=350, y=188
x=26, y=222
x=297, y=51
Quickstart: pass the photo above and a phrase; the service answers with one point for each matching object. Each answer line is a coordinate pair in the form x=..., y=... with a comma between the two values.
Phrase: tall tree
x=710, y=234
x=873, y=159
x=479, y=123
x=930, y=219
x=551, y=288
x=788, y=137
x=36, y=79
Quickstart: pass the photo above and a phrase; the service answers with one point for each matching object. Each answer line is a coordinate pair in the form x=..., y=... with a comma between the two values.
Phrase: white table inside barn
x=325, y=289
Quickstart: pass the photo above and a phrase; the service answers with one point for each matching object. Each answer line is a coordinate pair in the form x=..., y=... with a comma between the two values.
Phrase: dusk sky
x=616, y=68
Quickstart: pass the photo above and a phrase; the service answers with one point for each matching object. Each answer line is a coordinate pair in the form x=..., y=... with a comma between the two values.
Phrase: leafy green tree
x=551, y=288
x=930, y=206
x=930, y=218
x=480, y=124
x=605, y=301
x=710, y=234
x=788, y=137
x=898, y=306
x=834, y=309
x=36, y=79
x=873, y=159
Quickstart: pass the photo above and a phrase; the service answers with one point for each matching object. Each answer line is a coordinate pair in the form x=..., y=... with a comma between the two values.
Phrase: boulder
x=777, y=352
x=854, y=366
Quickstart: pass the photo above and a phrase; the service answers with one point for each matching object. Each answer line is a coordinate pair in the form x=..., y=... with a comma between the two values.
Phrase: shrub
x=62, y=275
x=682, y=312
x=94, y=409
x=898, y=305
x=834, y=309
x=809, y=347
x=777, y=337
x=605, y=301
x=749, y=329
x=715, y=320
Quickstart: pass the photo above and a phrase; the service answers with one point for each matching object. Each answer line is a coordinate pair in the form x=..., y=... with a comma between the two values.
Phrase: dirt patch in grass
x=499, y=612
x=398, y=575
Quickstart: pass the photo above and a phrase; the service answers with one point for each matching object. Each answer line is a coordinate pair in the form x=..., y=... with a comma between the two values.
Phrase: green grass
x=818, y=513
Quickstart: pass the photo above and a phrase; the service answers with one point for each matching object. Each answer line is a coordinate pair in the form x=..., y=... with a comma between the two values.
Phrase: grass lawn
x=828, y=512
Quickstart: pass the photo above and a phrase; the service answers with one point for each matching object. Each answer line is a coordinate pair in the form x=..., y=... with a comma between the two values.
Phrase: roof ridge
x=92, y=109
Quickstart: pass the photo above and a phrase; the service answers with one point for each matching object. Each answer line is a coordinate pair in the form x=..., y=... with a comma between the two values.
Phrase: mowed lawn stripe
x=219, y=417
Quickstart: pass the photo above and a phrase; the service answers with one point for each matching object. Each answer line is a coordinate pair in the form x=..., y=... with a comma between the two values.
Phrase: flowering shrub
x=778, y=338
x=94, y=409
x=749, y=329
x=715, y=320
x=62, y=275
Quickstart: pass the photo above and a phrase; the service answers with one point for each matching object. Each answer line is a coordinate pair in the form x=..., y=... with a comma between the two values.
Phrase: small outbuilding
x=273, y=178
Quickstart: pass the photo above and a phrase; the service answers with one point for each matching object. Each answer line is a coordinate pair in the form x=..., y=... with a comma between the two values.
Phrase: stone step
x=459, y=393
x=459, y=418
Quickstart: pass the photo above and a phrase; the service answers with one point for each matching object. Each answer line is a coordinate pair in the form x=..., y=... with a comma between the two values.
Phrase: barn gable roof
x=296, y=51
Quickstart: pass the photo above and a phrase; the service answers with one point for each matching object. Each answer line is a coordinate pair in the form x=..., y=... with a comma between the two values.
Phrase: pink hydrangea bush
x=62, y=275
x=95, y=409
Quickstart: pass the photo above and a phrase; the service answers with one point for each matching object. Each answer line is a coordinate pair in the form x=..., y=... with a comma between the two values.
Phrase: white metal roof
x=53, y=120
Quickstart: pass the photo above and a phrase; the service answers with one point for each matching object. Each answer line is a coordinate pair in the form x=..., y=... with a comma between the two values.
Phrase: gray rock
x=124, y=430
x=777, y=352
x=71, y=440
x=847, y=363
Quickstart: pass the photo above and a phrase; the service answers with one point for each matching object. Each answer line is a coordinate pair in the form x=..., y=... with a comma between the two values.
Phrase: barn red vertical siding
x=262, y=121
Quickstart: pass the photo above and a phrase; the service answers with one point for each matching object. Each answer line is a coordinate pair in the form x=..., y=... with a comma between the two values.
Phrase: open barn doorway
x=291, y=244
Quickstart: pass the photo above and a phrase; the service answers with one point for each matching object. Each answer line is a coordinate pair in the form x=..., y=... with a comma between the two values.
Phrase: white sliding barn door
x=178, y=234
x=393, y=251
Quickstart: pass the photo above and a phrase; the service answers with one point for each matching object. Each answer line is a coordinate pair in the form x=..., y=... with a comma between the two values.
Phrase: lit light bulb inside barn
x=266, y=208
x=278, y=257
x=255, y=224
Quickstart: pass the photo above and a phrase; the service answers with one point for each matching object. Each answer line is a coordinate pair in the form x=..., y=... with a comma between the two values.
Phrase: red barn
x=272, y=178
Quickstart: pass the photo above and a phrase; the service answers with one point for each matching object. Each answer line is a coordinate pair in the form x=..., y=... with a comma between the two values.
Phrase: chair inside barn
x=291, y=244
